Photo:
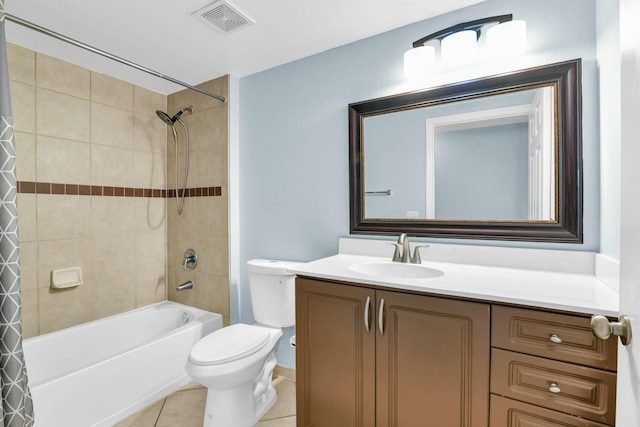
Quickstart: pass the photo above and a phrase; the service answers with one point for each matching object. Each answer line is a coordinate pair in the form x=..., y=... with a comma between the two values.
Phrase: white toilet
x=235, y=363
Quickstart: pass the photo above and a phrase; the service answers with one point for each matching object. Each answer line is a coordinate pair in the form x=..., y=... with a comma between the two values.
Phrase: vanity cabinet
x=370, y=357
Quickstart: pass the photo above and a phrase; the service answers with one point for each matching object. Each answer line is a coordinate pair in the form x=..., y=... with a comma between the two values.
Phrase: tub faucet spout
x=185, y=285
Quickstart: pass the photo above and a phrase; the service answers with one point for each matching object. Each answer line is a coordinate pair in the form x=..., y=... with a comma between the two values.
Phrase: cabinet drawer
x=511, y=413
x=577, y=390
x=556, y=336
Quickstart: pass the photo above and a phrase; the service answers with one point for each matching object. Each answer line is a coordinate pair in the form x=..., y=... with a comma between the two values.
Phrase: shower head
x=165, y=117
x=171, y=120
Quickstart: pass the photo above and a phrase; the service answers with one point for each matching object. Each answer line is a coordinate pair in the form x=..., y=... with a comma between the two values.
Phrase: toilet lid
x=228, y=344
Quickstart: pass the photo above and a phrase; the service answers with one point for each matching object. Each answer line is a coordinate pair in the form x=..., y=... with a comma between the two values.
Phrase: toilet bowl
x=236, y=363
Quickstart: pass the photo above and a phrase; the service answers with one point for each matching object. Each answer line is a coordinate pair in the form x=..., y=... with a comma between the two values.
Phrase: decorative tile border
x=31, y=187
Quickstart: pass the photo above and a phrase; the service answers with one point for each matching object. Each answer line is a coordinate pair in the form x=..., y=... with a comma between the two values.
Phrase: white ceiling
x=163, y=36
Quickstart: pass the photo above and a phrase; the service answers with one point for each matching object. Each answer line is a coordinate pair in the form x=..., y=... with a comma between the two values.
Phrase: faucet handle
x=415, y=259
x=396, y=253
x=190, y=260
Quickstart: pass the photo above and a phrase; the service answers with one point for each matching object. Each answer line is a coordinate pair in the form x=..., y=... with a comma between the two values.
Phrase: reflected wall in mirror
x=497, y=157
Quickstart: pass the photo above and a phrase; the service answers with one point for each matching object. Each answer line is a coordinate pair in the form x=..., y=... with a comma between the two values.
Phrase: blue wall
x=293, y=131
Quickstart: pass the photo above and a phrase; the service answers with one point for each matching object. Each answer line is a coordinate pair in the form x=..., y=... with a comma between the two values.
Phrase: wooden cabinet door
x=335, y=357
x=432, y=362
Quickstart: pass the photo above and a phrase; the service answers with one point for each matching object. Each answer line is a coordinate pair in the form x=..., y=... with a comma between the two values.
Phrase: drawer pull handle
x=556, y=339
x=553, y=388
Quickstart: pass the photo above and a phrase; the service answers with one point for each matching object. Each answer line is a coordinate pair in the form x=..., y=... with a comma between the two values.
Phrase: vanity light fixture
x=459, y=44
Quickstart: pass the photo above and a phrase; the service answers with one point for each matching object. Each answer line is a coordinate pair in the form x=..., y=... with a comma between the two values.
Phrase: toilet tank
x=272, y=292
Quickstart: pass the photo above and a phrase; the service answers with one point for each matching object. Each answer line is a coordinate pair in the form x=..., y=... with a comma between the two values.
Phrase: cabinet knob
x=556, y=339
x=553, y=388
x=603, y=329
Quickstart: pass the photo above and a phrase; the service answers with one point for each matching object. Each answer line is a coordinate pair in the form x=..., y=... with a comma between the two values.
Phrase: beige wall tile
x=111, y=126
x=212, y=215
x=150, y=249
x=213, y=255
x=73, y=124
x=27, y=217
x=151, y=285
x=114, y=257
x=59, y=309
x=149, y=134
x=23, y=102
x=219, y=86
x=150, y=215
x=63, y=217
x=111, y=166
x=22, y=64
x=25, y=156
x=212, y=293
x=59, y=254
x=146, y=102
x=28, y=266
x=179, y=100
x=112, y=216
x=212, y=129
x=114, y=295
x=102, y=235
x=111, y=91
x=149, y=169
x=209, y=168
x=63, y=161
x=62, y=76
x=30, y=315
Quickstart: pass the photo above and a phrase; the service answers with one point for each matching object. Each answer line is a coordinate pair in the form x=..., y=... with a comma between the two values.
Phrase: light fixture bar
x=471, y=25
x=100, y=52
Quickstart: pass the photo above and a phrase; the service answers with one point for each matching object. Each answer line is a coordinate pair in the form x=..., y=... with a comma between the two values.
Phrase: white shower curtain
x=17, y=407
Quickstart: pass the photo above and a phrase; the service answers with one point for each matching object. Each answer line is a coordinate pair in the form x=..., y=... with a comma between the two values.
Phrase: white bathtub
x=100, y=372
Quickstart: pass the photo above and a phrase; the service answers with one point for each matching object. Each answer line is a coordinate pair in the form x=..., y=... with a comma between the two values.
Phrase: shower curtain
x=17, y=407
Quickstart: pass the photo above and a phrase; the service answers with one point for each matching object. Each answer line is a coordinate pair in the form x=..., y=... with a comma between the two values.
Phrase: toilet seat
x=228, y=344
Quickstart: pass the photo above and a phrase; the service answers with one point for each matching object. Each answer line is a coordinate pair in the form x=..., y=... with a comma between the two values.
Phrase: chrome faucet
x=185, y=285
x=402, y=251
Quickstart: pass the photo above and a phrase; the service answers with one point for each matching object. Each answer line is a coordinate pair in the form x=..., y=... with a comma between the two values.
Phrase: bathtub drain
x=185, y=317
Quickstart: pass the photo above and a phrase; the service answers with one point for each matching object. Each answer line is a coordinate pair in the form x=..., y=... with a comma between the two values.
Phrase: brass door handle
x=603, y=329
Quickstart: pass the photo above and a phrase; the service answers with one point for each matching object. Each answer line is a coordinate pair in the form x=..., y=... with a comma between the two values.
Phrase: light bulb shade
x=508, y=38
x=460, y=47
x=419, y=61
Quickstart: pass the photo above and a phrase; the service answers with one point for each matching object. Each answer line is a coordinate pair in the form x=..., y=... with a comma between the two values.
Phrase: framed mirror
x=492, y=158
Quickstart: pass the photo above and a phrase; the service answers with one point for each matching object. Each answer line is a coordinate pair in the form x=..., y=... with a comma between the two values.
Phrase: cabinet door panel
x=335, y=357
x=432, y=362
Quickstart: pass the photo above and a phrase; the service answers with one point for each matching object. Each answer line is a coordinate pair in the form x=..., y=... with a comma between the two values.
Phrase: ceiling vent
x=224, y=16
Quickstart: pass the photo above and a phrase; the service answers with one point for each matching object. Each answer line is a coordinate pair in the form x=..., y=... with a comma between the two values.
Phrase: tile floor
x=185, y=408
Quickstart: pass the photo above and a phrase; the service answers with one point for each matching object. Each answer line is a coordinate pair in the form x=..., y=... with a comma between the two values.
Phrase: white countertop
x=566, y=291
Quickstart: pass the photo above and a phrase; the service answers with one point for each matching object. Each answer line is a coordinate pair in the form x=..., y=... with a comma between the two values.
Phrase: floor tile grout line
x=160, y=412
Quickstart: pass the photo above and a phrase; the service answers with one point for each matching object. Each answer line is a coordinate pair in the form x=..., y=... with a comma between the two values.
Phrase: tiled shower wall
x=94, y=191
x=203, y=225
x=91, y=156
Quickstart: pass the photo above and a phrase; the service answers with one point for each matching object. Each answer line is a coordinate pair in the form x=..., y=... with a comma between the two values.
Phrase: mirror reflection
x=489, y=158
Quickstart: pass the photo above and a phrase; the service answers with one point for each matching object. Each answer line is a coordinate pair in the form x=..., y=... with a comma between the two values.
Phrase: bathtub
x=98, y=373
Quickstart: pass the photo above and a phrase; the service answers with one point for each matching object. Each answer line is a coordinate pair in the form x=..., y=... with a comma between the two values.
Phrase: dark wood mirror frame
x=566, y=79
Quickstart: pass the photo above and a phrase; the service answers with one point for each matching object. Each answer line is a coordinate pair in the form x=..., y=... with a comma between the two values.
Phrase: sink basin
x=397, y=270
